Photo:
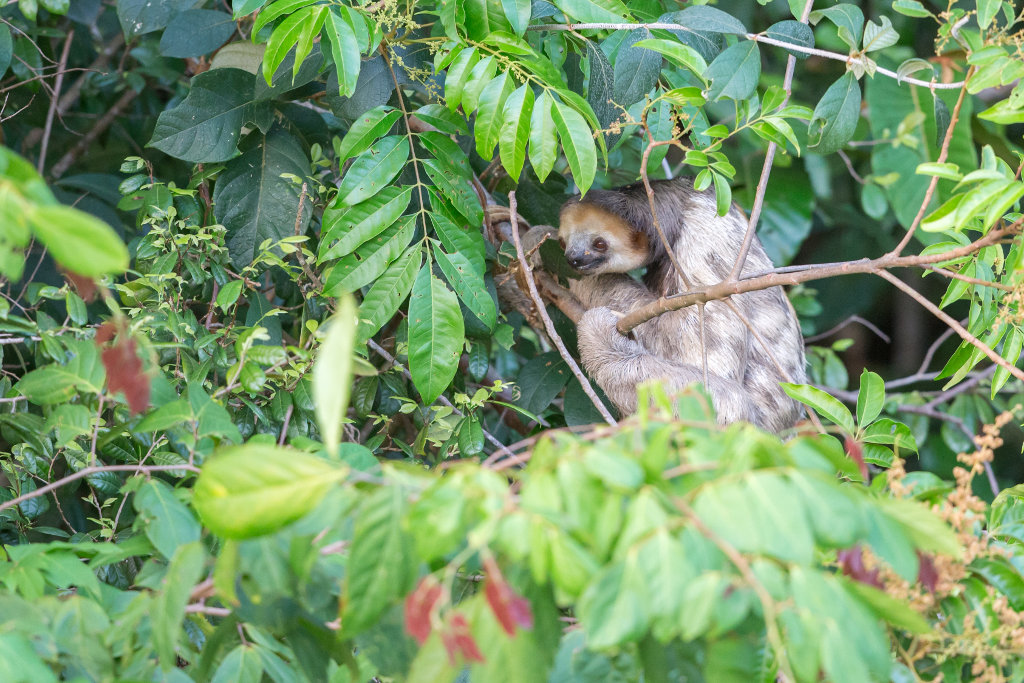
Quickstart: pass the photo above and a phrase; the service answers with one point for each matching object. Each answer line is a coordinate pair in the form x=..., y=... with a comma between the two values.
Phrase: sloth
x=610, y=232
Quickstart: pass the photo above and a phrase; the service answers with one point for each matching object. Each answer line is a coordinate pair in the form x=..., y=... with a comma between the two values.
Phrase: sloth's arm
x=617, y=291
x=618, y=364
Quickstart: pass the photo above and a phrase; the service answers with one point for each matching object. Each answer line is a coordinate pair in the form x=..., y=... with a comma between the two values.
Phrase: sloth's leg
x=619, y=364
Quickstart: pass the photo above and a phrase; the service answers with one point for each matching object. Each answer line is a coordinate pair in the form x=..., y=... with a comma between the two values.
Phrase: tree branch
x=87, y=471
x=791, y=276
x=756, y=37
x=549, y=326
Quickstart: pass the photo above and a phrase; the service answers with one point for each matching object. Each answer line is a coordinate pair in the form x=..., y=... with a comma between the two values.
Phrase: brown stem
x=101, y=125
x=58, y=82
x=87, y=471
x=943, y=153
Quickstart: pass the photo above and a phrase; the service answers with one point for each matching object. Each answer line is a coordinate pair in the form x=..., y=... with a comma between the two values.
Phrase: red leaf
x=86, y=286
x=463, y=639
x=105, y=332
x=851, y=561
x=124, y=373
x=418, y=607
x=854, y=450
x=509, y=607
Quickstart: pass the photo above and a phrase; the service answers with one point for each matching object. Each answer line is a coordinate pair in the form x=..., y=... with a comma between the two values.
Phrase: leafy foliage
x=256, y=285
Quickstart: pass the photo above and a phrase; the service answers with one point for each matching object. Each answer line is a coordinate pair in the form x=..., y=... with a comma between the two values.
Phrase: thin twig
x=87, y=471
x=768, y=607
x=48, y=128
x=943, y=153
x=952, y=323
x=852, y=319
x=549, y=326
x=766, y=168
x=98, y=129
x=756, y=37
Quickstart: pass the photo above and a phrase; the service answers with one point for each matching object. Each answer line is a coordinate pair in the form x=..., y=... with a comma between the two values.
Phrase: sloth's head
x=598, y=241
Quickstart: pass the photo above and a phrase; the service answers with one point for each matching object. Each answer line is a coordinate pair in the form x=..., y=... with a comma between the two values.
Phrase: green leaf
x=168, y=607
x=1004, y=113
x=79, y=241
x=1012, y=346
x=913, y=65
x=593, y=10
x=196, y=32
x=677, y=53
x=944, y=170
x=609, y=610
x=489, y=117
x=372, y=585
x=468, y=283
x=543, y=144
x=830, y=407
x=540, y=380
x=363, y=266
x=636, y=69
x=735, y=72
x=723, y=193
x=445, y=120
x=167, y=522
x=277, y=9
x=374, y=169
x=344, y=51
x=169, y=415
x=515, y=130
x=206, y=125
x=255, y=489
x=795, y=32
x=83, y=373
x=911, y=8
x=332, y=372
x=518, y=14
x=849, y=20
x=297, y=30
x=457, y=75
x=240, y=665
x=387, y=294
x=711, y=19
x=228, y=294
x=987, y=12
x=6, y=48
x=480, y=76
x=365, y=130
x=254, y=202
x=138, y=17
x=455, y=188
x=870, y=398
x=351, y=226
x=835, y=118
x=578, y=144
x=436, y=333
x=877, y=37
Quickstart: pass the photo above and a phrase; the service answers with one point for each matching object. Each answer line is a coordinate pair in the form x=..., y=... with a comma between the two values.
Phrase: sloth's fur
x=610, y=232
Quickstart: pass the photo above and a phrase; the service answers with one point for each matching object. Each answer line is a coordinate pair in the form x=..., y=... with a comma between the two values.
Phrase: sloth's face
x=596, y=241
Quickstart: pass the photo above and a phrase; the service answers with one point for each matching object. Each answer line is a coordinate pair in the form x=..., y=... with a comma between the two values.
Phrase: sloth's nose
x=577, y=261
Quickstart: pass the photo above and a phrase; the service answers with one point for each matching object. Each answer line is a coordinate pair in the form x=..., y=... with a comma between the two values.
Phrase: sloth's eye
x=600, y=245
